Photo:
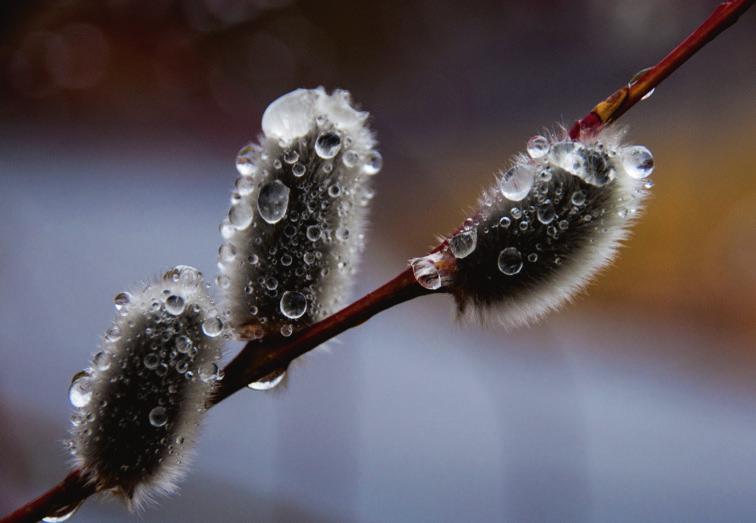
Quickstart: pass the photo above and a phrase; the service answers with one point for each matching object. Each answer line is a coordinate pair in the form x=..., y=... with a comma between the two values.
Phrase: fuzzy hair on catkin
x=295, y=230
x=140, y=403
x=548, y=225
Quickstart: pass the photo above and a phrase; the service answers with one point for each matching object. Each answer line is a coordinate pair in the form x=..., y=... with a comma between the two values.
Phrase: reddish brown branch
x=259, y=359
x=610, y=109
x=68, y=493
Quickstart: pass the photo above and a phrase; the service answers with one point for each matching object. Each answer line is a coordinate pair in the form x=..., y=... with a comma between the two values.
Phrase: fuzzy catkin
x=549, y=224
x=295, y=230
x=140, y=402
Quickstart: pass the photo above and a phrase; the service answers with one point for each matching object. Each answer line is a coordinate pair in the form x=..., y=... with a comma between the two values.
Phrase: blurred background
x=119, y=124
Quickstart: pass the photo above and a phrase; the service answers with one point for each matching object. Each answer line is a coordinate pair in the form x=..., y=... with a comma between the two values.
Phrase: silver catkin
x=551, y=221
x=139, y=404
x=295, y=230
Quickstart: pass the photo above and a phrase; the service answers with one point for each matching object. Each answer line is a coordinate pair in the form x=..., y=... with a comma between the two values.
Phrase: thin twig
x=610, y=109
x=259, y=359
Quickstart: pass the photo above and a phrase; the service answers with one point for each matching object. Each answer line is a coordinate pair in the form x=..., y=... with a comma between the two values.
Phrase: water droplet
x=293, y=304
x=273, y=201
x=227, y=252
x=532, y=257
x=101, y=360
x=151, y=361
x=183, y=344
x=286, y=330
x=245, y=160
x=80, y=391
x=240, y=215
x=313, y=233
x=515, y=184
x=212, y=327
x=510, y=261
x=291, y=156
x=342, y=234
x=373, y=163
x=291, y=115
x=334, y=190
x=463, y=243
x=327, y=144
x=175, y=304
x=184, y=274
x=122, y=300
x=244, y=185
x=637, y=161
x=298, y=170
x=546, y=212
x=425, y=271
x=505, y=222
x=350, y=159
x=595, y=167
x=113, y=333
x=566, y=155
x=538, y=147
x=209, y=373
x=158, y=417
x=648, y=94
x=268, y=382
x=63, y=513
x=270, y=283
x=578, y=198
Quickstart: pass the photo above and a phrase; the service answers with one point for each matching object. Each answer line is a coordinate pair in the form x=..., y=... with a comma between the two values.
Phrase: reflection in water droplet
x=538, y=147
x=327, y=144
x=293, y=304
x=63, y=513
x=268, y=382
x=510, y=261
x=637, y=161
x=158, y=417
x=515, y=184
x=463, y=243
x=80, y=391
x=273, y=201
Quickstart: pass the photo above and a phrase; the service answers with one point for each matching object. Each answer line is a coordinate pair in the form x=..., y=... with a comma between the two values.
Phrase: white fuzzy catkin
x=140, y=402
x=296, y=226
x=551, y=222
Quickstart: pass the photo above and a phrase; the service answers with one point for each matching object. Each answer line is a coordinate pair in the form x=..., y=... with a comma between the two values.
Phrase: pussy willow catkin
x=543, y=230
x=140, y=402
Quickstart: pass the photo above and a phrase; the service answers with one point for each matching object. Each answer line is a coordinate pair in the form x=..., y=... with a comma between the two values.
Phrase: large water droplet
x=567, y=156
x=637, y=161
x=80, y=391
x=293, y=304
x=510, y=261
x=113, y=333
x=158, y=417
x=327, y=144
x=183, y=344
x=291, y=156
x=268, y=382
x=463, y=243
x=515, y=184
x=596, y=168
x=227, y=252
x=175, y=304
x=273, y=201
x=290, y=116
x=538, y=147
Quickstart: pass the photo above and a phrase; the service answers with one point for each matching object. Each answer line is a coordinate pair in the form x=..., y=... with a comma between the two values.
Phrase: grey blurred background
x=119, y=124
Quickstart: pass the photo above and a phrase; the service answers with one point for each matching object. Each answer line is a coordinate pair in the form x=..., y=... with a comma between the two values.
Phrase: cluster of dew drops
x=172, y=349
x=272, y=205
x=534, y=174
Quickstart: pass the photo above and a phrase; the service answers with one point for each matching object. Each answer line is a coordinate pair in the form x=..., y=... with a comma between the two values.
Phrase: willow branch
x=621, y=100
x=260, y=358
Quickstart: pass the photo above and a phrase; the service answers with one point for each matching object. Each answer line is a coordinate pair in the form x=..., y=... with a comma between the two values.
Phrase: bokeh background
x=119, y=124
